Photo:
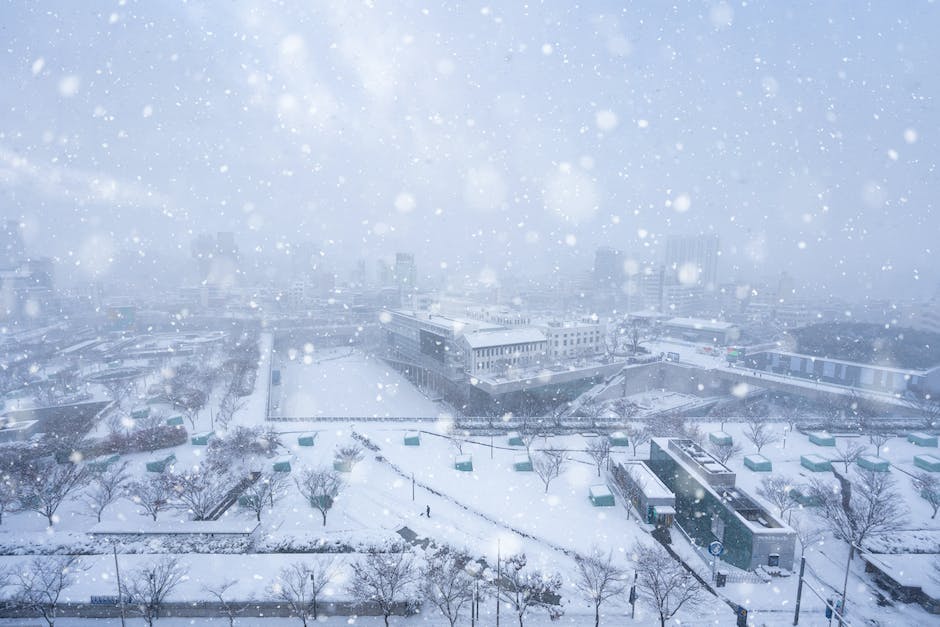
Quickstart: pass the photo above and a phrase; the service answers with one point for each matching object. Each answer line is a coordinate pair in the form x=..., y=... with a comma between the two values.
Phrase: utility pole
x=117, y=571
x=412, y=486
x=845, y=583
x=499, y=574
x=633, y=597
x=799, y=590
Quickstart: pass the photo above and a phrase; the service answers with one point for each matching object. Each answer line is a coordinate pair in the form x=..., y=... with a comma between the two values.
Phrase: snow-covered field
x=346, y=383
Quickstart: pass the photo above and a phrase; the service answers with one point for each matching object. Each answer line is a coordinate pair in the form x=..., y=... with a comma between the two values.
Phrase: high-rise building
x=217, y=259
x=12, y=250
x=608, y=268
x=406, y=273
x=692, y=260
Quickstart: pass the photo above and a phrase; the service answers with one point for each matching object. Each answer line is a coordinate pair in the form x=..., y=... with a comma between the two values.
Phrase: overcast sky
x=488, y=138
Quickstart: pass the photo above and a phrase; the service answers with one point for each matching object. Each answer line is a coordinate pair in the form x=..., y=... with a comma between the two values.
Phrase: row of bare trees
x=390, y=578
x=454, y=584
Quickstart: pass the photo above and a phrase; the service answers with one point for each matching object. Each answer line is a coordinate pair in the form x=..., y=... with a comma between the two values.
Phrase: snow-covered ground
x=491, y=510
x=345, y=383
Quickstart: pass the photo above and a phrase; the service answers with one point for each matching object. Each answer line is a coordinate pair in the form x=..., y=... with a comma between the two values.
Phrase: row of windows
x=507, y=350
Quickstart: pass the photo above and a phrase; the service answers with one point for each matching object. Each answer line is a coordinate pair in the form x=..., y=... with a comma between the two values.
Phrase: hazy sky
x=490, y=138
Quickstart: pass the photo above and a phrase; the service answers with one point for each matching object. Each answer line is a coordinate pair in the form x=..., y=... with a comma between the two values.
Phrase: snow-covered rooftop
x=485, y=339
x=700, y=324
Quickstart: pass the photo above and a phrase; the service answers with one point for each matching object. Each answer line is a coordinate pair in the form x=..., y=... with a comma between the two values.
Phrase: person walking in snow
x=428, y=511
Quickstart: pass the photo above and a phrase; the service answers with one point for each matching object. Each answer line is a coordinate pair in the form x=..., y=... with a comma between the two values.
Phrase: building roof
x=651, y=485
x=905, y=371
x=486, y=339
x=700, y=324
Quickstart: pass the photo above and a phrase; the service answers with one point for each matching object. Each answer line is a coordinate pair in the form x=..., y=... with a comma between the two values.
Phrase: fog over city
x=397, y=313
x=505, y=138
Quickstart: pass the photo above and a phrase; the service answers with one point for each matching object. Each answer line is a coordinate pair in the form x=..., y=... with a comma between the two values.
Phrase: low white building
x=568, y=340
x=498, y=352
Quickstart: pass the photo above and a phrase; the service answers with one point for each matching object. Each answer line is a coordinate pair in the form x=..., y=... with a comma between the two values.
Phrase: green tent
x=870, y=462
x=282, y=464
x=201, y=439
x=758, y=463
x=822, y=438
x=816, y=463
x=464, y=463
x=160, y=465
x=930, y=463
x=720, y=438
x=522, y=463
x=307, y=439
x=922, y=439
x=101, y=463
x=174, y=421
x=412, y=439
x=619, y=438
x=514, y=438
x=601, y=496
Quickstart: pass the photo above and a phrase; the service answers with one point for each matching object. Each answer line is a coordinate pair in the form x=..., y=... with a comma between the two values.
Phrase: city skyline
x=569, y=130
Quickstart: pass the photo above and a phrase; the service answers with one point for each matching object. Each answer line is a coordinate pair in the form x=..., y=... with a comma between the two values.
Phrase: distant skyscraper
x=12, y=250
x=406, y=273
x=217, y=259
x=692, y=260
x=608, y=268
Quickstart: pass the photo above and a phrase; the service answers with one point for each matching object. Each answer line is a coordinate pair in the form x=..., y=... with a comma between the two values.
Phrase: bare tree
x=557, y=414
x=777, y=490
x=664, y=583
x=630, y=484
x=446, y=584
x=148, y=587
x=759, y=433
x=220, y=593
x=523, y=589
x=230, y=405
x=457, y=443
x=878, y=439
x=118, y=389
x=599, y=451
x=39, y=584
x=319, y=486
x=528, y=429
x=197, y=492
x=928, y=486
x=806, y=533
x=384, y=577
x=262, y=494
x=350, y=453
x=548, y=465
x=44, y=486
x=105, y=487
x=638, y=435
x=593, y=410
x=624, y=409
x=301, y=585
x=928, y=408
x=9, y=495
x=867, y=505
x=849, y=454
x=725, y=451
x=152, y=421
x=599, y=579
x=152, y=494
